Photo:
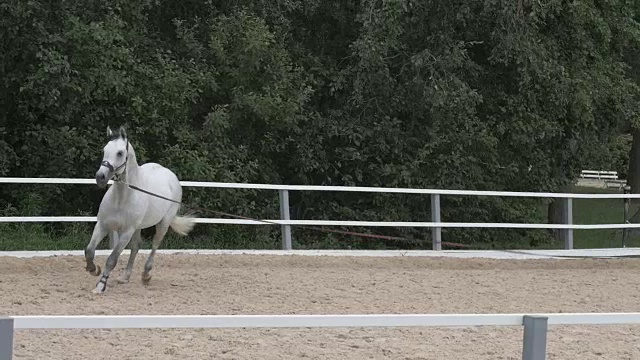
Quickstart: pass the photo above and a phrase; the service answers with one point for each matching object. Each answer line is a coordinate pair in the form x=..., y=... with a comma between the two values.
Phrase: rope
x=321, y=229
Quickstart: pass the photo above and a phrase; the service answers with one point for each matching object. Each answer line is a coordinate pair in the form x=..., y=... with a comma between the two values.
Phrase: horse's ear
x=123, y=132
x=109, y=132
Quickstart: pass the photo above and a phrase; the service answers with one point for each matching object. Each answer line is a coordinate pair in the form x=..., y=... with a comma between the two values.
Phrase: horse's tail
x=183, y=224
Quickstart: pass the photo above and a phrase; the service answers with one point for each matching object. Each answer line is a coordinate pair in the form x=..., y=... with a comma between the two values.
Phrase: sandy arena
x=245, y=284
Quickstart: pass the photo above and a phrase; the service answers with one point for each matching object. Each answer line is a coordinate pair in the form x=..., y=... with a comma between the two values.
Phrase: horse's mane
x=116, y=136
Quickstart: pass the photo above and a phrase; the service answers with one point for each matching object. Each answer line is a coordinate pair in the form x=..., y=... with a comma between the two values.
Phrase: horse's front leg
x=99, y=232
x=112, y=260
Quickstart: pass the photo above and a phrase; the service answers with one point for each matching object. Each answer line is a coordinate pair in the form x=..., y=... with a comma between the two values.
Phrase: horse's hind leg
x=123, y=240
x=135, y=245
x=161, y=231
x=99, y=232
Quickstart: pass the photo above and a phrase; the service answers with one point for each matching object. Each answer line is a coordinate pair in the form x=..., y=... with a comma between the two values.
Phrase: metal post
x=535, y=338
x=625, y=231
x=568, y=219
x=436, y=232
x=6, y=338
x=284, y=215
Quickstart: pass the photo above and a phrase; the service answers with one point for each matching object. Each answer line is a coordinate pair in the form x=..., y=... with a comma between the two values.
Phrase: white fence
x=534, y=337
x=286, y=223
x=535, y=325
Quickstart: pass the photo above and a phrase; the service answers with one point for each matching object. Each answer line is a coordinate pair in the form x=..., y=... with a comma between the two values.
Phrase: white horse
x=125, y=211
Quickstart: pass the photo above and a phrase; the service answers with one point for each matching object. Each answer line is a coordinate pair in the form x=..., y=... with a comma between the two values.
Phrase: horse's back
x=162, y=181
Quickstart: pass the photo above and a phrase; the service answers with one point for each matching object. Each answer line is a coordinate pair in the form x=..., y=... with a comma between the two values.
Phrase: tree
x=492, y=95
x=632, y=59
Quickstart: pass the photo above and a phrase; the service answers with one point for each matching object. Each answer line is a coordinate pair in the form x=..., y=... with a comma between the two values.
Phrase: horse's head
x=116, y=154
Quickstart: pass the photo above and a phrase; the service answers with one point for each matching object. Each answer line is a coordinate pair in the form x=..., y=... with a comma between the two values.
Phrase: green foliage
x=490, y=95
x=613, y=156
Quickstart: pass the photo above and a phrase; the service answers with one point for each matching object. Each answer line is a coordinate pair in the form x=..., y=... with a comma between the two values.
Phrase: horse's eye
x=119, y=153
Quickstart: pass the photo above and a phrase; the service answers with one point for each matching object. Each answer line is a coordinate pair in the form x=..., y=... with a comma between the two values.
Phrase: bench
x=597, y=174
x=610, y=177
x=615, y=183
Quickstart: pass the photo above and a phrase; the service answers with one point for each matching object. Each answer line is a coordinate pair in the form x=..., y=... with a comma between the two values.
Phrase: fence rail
x=223, y=185
x=534, y=337
x=435, y=224
x=8, y=219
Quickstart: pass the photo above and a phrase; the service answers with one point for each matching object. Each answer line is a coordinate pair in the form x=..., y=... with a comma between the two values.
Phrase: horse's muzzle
x=102, y=179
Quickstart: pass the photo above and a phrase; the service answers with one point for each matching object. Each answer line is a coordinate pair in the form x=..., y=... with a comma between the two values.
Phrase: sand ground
x=242, y=284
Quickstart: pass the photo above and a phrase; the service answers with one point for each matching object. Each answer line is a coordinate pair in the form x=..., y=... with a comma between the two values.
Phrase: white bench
x=596, y=174
x=615, y=183
x=610, y=177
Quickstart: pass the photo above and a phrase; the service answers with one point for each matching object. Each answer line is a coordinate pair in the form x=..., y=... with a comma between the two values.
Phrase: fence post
x=625, y=231
x=436, y=232
x=567, y=212
x=6, y=338
x=284, y=215
x=534, y=346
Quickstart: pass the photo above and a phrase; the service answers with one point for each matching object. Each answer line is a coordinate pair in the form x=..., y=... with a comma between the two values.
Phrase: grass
x=600, y=211
x=34, y=236
x=31, y=237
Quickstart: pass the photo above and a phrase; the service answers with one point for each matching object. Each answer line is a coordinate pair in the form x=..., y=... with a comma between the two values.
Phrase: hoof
x=96, y=271
x=146, y=278
x=100, y=288
x=123, y=280
x=97, y=291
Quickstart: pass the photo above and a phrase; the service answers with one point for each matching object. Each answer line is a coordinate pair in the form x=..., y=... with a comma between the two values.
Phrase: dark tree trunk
x=633, y=176
x=555, y=213
x=554, y=216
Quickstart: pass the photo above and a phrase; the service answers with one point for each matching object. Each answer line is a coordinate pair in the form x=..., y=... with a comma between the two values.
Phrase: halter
x=108, y=165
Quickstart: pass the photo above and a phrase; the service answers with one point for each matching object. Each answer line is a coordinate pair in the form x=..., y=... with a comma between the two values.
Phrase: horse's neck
x=132, y=169
x=129, y=176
